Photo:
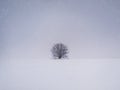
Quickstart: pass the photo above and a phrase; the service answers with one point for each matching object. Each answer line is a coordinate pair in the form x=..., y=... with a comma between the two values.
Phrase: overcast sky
x=90, y=28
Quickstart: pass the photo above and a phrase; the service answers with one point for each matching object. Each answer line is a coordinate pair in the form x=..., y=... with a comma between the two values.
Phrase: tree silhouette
x=59, y=51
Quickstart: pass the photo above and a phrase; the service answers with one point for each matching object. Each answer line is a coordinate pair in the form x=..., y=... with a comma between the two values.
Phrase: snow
x=82, y=74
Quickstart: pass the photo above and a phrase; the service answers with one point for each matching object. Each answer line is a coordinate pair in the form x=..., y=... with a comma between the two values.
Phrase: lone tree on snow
x=59, y=51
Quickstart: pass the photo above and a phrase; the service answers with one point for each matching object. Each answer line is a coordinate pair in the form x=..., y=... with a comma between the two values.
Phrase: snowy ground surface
x=84, y=74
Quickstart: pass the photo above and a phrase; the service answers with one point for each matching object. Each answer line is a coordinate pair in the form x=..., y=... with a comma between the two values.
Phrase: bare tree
x=59, y=51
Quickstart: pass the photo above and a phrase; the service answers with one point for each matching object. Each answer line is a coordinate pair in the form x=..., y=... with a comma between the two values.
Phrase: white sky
x=90, y=28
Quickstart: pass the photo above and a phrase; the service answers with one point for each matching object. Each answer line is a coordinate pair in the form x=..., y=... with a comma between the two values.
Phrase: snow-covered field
x=82, y=74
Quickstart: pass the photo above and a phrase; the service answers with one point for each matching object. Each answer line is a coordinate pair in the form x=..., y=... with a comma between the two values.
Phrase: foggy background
x=90, y=29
